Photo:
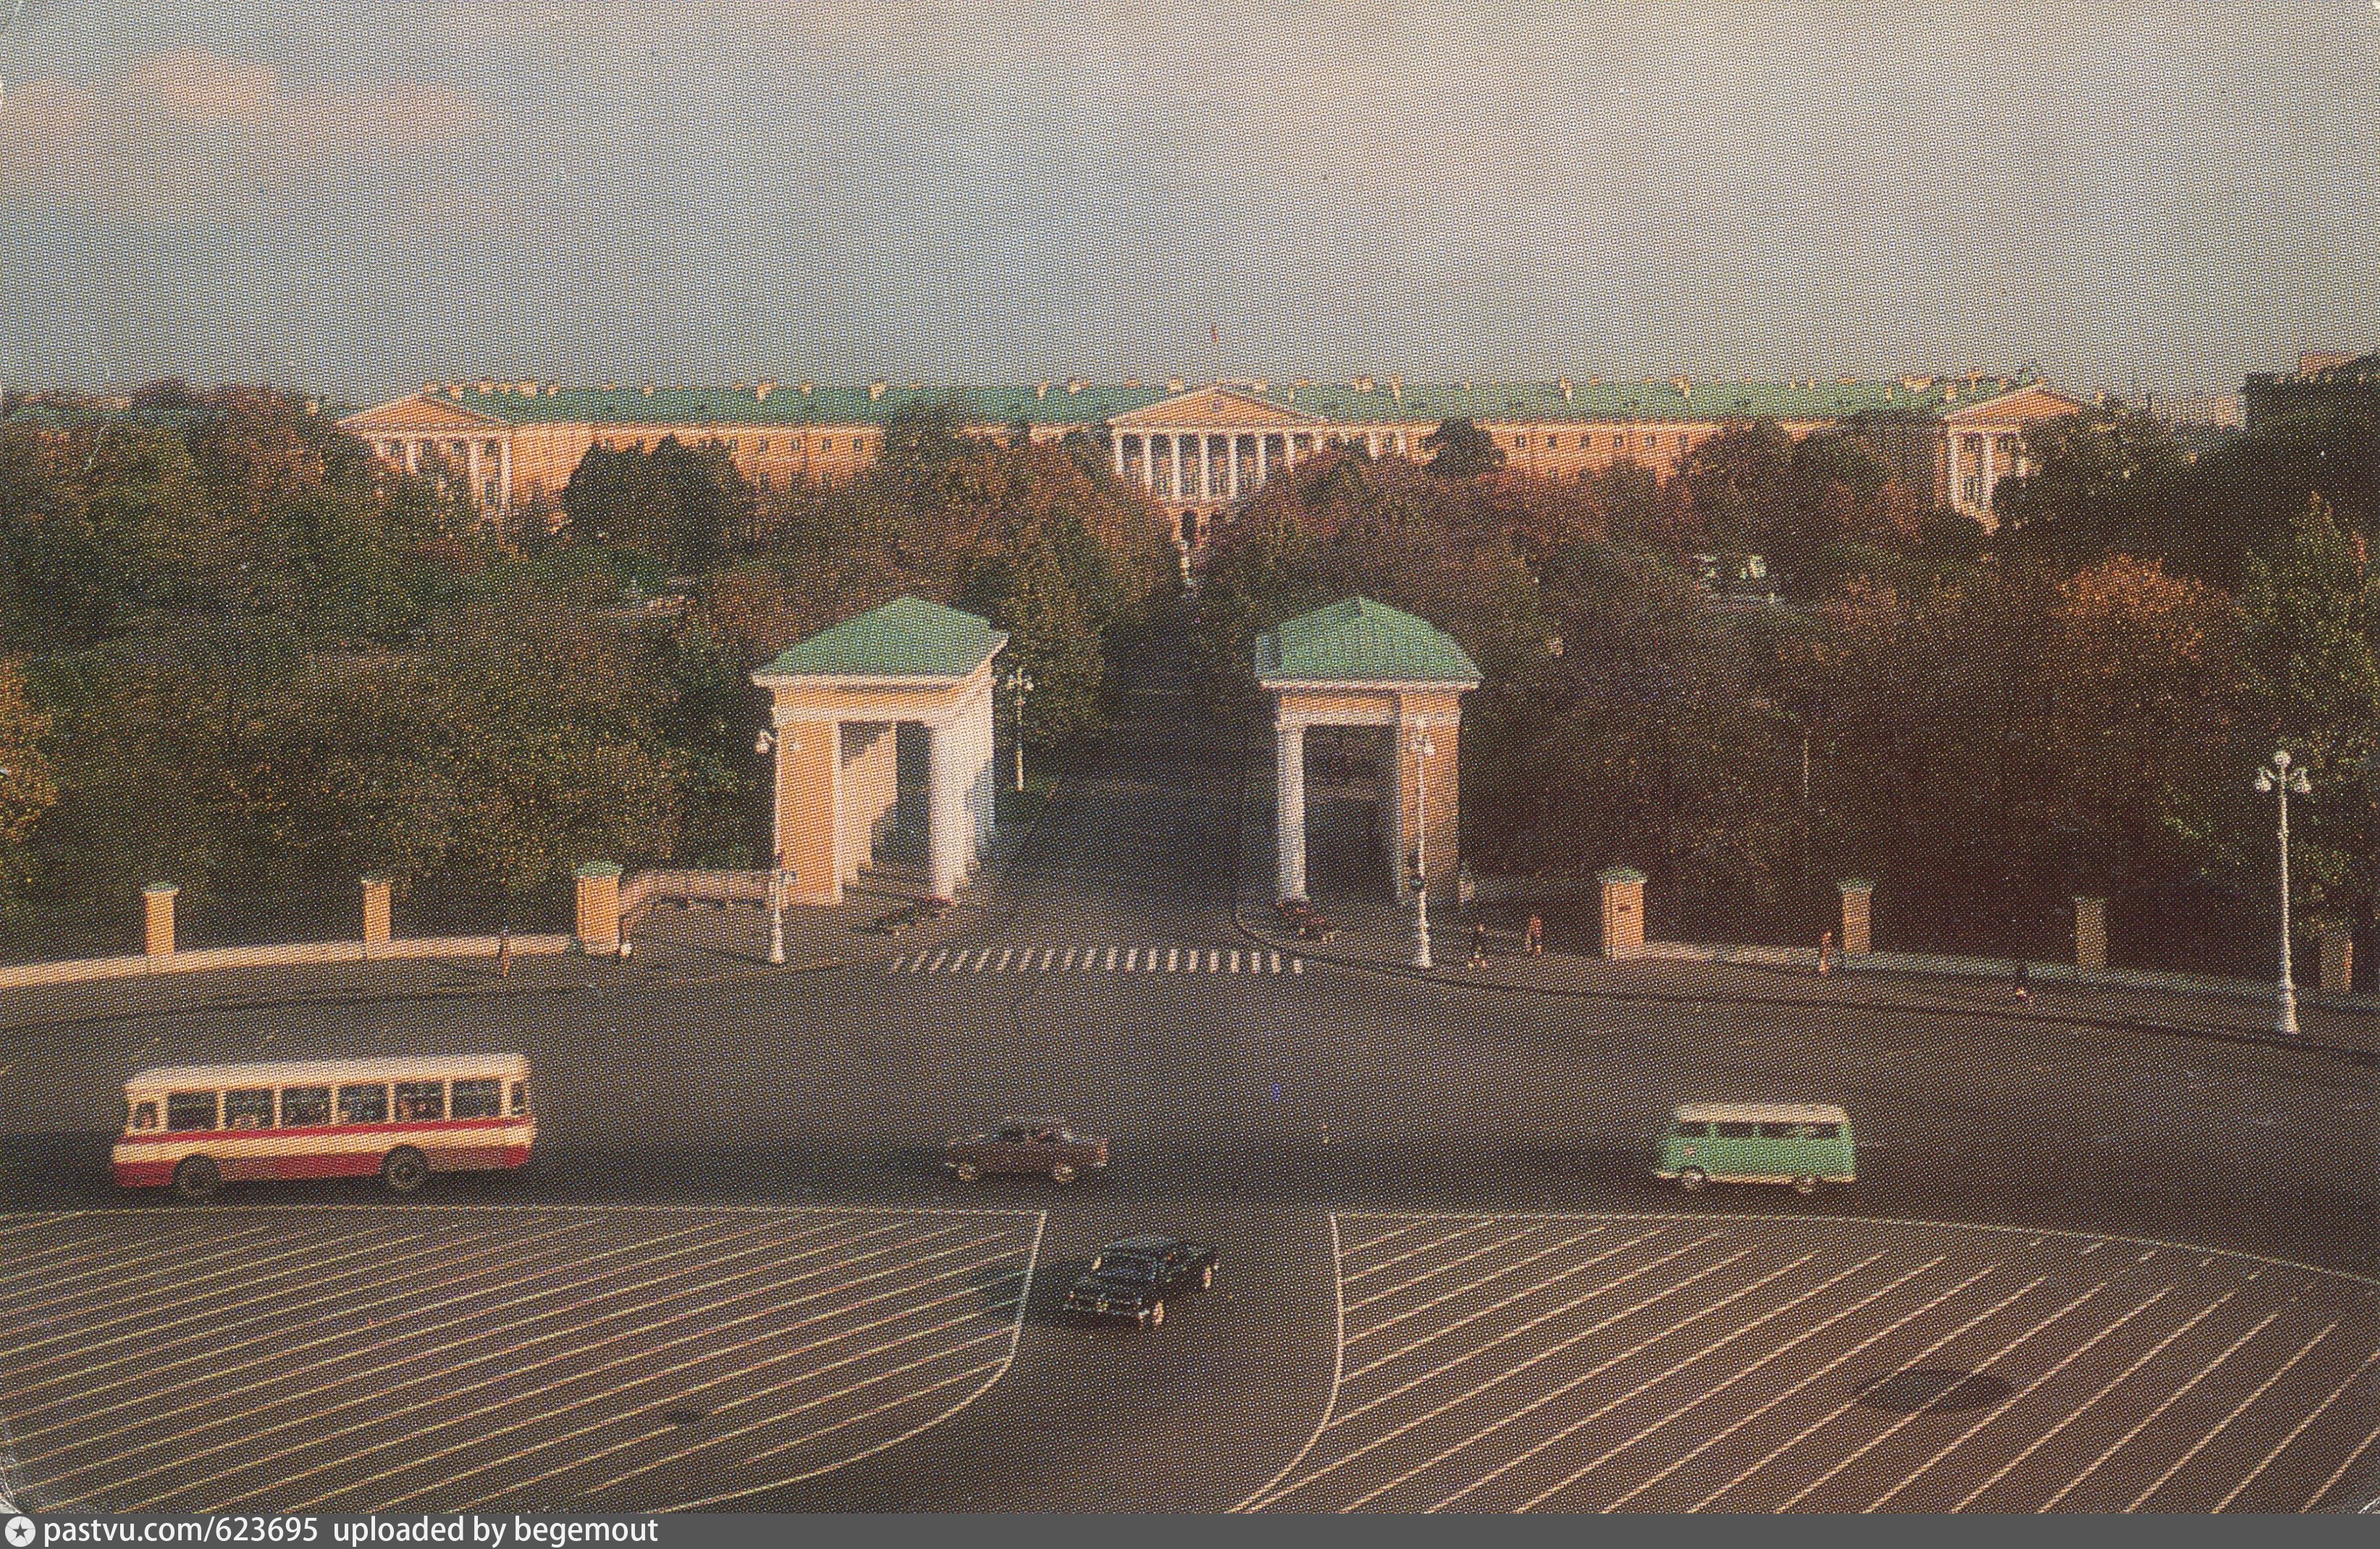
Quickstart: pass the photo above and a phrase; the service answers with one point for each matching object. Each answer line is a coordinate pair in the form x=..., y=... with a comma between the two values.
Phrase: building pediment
x=1216, y=409
x=2026, y=406
x=419, y=414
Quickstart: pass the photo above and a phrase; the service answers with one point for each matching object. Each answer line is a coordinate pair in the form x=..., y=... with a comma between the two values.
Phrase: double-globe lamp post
x=1423, y=750
x=2281, y=780
x=765, y=744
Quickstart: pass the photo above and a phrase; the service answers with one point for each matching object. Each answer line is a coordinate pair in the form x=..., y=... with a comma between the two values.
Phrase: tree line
x=1985, y=725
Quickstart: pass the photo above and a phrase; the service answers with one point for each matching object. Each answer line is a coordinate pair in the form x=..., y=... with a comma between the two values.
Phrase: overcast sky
x=352, y=197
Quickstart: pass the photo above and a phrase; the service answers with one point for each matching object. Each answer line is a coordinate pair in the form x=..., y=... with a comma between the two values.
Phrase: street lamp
x=2281, y=780
x=1019, y=683
x=1423, y=750
x=769, y=742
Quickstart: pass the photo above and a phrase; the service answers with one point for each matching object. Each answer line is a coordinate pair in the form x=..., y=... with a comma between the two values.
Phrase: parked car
x=1133, y=1280
x=1027, y=1145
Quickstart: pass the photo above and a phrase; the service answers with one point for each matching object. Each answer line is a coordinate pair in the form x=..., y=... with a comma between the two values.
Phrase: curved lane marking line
x=998, y=1370
x=1338, y=1365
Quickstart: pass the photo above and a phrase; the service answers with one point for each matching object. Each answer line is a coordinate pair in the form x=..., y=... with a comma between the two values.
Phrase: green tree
x=1460, y=449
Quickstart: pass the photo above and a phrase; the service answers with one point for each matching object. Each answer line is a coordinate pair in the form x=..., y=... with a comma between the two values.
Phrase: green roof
x=1369, y=401
x=906, y=638
x=1360, y=640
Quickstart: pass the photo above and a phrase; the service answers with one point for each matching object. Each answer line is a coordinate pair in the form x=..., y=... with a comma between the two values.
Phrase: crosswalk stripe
x=1112, y=952
x=1070, y=959
x=1003, y=960
x=1087, y=959
x=1130, y=958
x=1173, y=957
x=937, y=960
x=1048, y=953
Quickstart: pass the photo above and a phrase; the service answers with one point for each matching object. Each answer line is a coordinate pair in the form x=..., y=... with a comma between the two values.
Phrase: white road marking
x=1214, y=959
x=1235, y=960
x=1370, y=1243
x=1634, y=1350
x=1547, y=1354
x=1432, y=1272
x=1480, y=1224
x=2151, y=1418
x=981, y=958
x=1047, y=954
x=2225, y=1423
x=2075, y=1413
x=1469, y=1286
x=1849, y=1404
x=1297, y=965
x=44, y=1276
x=1707, y=1395
x=940, y=958
x=1132, y=959
x=1068, y=965
x=1276, y=960
x=2340, y=1472
x=1927, y=1407
x=2283, y=1444
x=1173, y=957
x=1841, y=1359
x=1112, y=955
x=1338, y=1362
x=349, y=1379
x=1005, y=955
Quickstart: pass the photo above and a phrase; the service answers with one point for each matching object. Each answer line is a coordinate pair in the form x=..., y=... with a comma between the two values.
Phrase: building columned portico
x=1361, y=663
x=838, y=699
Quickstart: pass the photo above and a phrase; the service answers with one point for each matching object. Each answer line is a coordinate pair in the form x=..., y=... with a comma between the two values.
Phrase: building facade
x=1200, y=450
x=2329, y=379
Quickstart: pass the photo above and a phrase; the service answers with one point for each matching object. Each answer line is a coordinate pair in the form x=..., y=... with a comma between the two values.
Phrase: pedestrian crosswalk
x=1039, y=959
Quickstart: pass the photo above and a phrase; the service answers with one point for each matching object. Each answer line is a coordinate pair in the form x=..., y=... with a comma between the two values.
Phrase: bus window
x=480, y=1099
x=248, y=1108
x=305, y=1107
x=520, y=1099
x=144, y=1116
x=420, y=1102
x=363, y=1104
x=1727, y=1131
x=189, y=1110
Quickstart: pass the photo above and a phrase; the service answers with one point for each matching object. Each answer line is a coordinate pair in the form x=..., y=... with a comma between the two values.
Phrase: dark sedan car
x=1134, y=1280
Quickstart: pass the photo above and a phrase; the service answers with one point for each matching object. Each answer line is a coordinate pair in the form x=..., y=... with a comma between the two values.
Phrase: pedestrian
x=1479, y=944
x=624, y=947
x=504, y=952
x=1533, y=937
x=1825, y=952
x=2023, y=988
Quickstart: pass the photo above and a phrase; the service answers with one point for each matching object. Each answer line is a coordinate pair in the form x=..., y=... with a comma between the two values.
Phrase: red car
x=1027, y=1145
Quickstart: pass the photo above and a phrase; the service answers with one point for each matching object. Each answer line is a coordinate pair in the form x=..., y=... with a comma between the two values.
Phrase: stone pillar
x=987, y=771
x=376, y=912
x=1206, y=467
x=1148, y=463
x=157, y=918
x=945, y=793
x=471, y=469
x=413, y=456
x=1288, y=808
x=1372, y=443
x=1232, y=492
x=504, y=474
x=1857, y=893
x=1116, y=445
x=599, y=908
x=1288, y=452
x=1173, y=486
x=2337, y=976
x=2090, y=932
x=1984, y=443
x=1624, y=911
x=1263, y=450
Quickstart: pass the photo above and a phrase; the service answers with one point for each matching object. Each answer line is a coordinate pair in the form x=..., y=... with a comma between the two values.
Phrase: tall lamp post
x=1019, y=683
x=1422, y=749
x=2279, y=780
x=765, y=744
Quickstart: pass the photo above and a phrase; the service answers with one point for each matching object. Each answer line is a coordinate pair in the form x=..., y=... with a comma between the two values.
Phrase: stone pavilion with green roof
x=837, y=702
x=1359, y=663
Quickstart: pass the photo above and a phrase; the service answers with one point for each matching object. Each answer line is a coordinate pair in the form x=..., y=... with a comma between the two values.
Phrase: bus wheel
x=1693, y=1180
x=405, y=1170
x=197, y=1177
x=1062, y=1173
x=1805, y=1184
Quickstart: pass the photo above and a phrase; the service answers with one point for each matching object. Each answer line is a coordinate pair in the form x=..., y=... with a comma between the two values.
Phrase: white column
x=1148, y=463
x=1288, y=450
x=987, y=773
x=1173, y=489
x=1118, y=448
x=504, y=474
x=471, y=468
x=1990, y=477
x=1372, y=442
x=1403, y=450
x=1288, y=807
x=1233, y=494
x=1205, y=468
x=413, y=456
x=945, y=809
x=1264, y=446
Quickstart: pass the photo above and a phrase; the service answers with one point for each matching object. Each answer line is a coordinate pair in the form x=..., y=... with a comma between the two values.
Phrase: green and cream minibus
x=1804, y=1144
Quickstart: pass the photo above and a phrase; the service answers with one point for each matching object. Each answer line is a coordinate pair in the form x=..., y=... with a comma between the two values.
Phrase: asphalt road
x=1262, y=1111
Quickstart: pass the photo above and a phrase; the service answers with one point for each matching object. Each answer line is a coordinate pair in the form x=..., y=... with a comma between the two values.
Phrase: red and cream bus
x=195, y=1126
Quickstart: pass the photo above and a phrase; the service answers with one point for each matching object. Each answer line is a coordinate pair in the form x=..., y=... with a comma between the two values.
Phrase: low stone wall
x=141, y=966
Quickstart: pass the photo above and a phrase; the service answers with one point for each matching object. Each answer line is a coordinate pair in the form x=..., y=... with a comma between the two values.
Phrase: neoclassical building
x=1199, y=450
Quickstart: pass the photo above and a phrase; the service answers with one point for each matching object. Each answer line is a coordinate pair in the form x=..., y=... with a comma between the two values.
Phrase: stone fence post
x=599, y=908
x=2338, y=961
x=2090, y=932
x=375, y=911
x=157, y=918
x=1624, y=911
x=1857, y=891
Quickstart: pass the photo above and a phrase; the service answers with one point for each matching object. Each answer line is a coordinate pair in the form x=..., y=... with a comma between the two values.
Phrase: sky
x=351, y=198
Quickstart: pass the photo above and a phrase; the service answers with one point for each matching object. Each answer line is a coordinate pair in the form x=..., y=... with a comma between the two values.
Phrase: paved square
x=1705, y=1362
x=445, y=1358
